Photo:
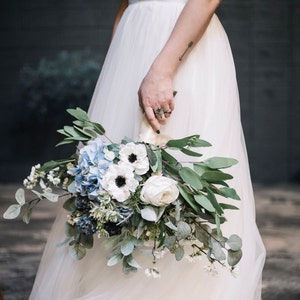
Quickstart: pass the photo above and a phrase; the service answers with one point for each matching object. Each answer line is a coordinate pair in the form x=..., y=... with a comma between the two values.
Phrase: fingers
x=157, y=112
x=151, y=117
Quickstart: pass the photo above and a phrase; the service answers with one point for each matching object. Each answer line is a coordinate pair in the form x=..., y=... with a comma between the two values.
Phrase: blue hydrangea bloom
x=82, y=203
x=87, y=225
x=92, y=165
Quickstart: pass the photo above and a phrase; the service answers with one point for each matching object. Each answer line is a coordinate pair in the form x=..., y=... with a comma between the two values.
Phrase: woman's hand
x=156, y=97
x=156, y=90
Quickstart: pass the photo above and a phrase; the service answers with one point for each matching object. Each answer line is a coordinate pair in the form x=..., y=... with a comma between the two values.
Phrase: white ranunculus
x=119, y=182
x=159, y=190
x=136, y=156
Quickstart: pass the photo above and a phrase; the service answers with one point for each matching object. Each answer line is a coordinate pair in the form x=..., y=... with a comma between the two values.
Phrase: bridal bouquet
x=135, y=193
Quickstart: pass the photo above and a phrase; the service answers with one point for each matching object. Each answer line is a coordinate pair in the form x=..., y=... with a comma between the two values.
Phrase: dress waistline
x=178, y=1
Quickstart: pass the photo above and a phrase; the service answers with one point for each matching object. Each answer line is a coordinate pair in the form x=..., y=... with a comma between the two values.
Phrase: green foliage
x=82, y=130
x=194, y=215
x=54, y=85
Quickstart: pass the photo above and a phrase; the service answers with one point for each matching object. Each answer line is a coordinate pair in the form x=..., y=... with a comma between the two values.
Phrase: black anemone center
x=120, y=181
x=132, y=158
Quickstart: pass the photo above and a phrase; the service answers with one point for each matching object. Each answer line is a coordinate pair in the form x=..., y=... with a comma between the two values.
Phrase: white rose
x=159, y=191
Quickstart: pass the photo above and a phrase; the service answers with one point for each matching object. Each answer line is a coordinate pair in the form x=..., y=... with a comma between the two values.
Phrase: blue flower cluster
x=82, y=203
x=87, y=225
x=92, y=165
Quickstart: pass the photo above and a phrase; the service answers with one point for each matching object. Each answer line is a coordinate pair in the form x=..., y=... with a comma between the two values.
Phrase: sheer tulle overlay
x=207, y=103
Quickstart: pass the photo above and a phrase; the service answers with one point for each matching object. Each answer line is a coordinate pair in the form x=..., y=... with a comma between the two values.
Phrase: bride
x=158, y=47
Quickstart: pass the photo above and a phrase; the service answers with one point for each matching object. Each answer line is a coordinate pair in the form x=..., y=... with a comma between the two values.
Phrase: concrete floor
x=278, y=218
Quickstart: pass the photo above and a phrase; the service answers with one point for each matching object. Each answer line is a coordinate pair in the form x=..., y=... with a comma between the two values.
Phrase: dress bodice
x=135, y=1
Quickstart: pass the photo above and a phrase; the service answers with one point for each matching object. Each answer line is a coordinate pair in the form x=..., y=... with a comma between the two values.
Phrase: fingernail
x=174, y=93
x=157, y=131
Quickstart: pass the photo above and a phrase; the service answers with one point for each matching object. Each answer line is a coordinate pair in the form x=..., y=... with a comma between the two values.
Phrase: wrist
x=165, y=64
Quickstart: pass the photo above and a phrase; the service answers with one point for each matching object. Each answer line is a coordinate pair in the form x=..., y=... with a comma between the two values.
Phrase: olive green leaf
x=220, y=162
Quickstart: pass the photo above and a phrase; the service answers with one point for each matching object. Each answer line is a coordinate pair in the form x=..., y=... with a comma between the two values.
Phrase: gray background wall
x=264, y=35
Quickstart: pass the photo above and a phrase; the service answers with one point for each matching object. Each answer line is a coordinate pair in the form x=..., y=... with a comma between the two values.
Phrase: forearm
x=188, y=30
x=123, y=6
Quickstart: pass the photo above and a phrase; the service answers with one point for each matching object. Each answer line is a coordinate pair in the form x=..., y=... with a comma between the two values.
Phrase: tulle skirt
x=207, y=103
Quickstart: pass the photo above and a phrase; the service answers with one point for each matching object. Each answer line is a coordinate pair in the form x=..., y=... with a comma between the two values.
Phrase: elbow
x=214, y=3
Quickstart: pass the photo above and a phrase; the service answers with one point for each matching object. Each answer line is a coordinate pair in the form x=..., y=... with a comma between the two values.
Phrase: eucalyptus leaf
x=63, y=132
x=63, y=242
x=171, y=225
x=20, y=196
x=149, y=213
x=179, y=253
x=79, y=123
x=98, y=128
x=218, y=223
x=213, y=176
x=152, y=158
x=132, y=262
x=234, y=242
x=140, y=228
x=127, y=268
x=111, y=242
x=71, y=131
x=82, y=133
x=233, y=257
x=202, y=233
x=228, y=206
x=169, y=158
x=208, y=216
x=230, y=193
x=160, y=212
x=183, y=230
x=69, y=204
x=126, y=140
x=211, y=196
x=190, y=177
x=52, y=164
x=12, y=212
x=39, y=195
x=91, y=132
x=190, y=152
x=159, y=159
x=70, y=230
x=169, y=242
x=65, y=142
x=72, y=187
x=77, y=251
x=79, y=114
x=200, y=168
x=188, y=198
x=220, y=162
x=204, y=202
x=217, y=251
x=87, y=241
x=51, y=196
x=127, y=247
x=180, y=143
x=172, y=170
x=27, y=216
x=200, y=143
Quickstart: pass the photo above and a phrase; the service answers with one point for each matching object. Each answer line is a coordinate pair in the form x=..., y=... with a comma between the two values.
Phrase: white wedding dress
x=207, y=103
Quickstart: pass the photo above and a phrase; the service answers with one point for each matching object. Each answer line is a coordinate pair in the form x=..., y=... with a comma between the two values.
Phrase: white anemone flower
x=136, y=156
x=119, y=182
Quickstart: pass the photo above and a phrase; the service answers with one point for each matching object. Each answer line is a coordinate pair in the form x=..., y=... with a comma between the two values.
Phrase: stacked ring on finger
x=159, y=111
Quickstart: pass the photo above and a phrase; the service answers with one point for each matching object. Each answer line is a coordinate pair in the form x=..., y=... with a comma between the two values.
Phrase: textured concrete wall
x=265, y=41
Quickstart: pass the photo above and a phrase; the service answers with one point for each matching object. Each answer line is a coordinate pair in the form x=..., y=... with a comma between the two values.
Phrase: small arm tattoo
x=190, y=44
